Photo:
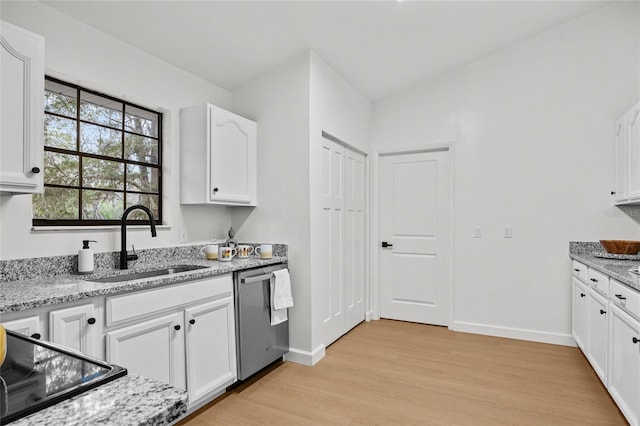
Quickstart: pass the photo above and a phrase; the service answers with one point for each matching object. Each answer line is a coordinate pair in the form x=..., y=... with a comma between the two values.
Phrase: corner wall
x=80, y=54
x=533, y=132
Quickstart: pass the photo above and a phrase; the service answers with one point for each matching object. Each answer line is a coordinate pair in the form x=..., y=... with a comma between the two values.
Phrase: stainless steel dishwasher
x=258, y=342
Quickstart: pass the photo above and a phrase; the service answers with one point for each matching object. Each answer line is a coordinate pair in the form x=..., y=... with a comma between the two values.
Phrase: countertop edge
x=616, y=269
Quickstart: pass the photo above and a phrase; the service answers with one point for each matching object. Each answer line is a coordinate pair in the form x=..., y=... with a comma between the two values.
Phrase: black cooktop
x=36, y=375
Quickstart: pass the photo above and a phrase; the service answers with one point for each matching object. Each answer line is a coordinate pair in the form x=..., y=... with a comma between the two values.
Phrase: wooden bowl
x=621, y=246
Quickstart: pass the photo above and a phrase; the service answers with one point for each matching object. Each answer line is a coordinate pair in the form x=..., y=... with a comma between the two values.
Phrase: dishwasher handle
x=255, y=279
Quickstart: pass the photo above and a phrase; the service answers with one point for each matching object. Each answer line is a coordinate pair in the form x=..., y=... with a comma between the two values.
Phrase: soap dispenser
x=85, y=258
x=231, y=241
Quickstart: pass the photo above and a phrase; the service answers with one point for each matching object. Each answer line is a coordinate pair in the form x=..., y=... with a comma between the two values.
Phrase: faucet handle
x=132, y=256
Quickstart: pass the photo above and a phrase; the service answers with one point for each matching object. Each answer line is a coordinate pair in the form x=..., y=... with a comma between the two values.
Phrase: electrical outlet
x=508, y=231
x=477, y=231
x=182, y=236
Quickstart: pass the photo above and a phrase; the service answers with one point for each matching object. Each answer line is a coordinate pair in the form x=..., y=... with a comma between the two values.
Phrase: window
x=102, y=155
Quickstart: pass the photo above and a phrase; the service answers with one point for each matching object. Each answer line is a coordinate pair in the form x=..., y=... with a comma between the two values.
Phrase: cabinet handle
x=192, y=321
x=594, y=280
x=621, y=297
x=177, y=327
x=35, y=170
x=582, y=295
x=613, y=192
x=602, y=312
x=215, y=190
x=91, y=321
x=635, y=340
x=576, y=269
x=36, y=336
x=386, y=244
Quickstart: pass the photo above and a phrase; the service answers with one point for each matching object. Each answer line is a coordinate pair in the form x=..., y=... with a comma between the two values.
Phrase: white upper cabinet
x=218, y=157
x=627, y=158
x=21, y=110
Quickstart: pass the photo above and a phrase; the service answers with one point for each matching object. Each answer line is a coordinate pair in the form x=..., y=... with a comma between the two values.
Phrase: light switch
x=508, y=231
x=477, y=231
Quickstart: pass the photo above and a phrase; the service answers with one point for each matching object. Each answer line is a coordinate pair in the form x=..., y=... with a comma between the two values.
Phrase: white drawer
x=579, y=271
x=599, y=281
x=625, y=297
x=146, y=302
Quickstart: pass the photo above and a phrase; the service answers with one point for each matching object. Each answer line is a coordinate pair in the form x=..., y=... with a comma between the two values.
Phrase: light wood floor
x=396, y=373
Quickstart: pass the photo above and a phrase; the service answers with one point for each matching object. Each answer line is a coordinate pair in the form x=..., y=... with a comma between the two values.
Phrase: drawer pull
x=192, y=321
x=91, y=321
x=36, y=336
x=576, y=269
x=621, y=297
x=602, y=312
x=582, y=295
x=594, y=280
x=177, y=327
x=635, y=340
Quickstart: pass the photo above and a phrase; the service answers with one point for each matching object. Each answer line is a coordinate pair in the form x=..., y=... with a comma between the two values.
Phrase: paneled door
x=343, y=244
x=415, y=232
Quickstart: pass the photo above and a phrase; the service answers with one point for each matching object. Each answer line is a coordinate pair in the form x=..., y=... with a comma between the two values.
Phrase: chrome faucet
x=124, y=256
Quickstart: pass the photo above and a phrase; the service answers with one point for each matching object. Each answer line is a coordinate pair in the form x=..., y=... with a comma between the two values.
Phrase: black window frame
x=122, y=160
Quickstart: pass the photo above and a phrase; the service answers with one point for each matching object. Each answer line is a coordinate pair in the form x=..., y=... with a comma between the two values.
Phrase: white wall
x=80, y=54
x=337, y=108
x=279, y=102
x=532, y=129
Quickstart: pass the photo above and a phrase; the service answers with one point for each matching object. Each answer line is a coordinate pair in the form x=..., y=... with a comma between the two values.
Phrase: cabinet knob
x=613, y=192
x=36, y=336
x=386, y=244
x=35, y=170
x=602, y=312
x=192, y=321
x=177, y=327
x=635, y=340
x=215, y=190
x=594, y=280
x=91, y=321
x=582, y=295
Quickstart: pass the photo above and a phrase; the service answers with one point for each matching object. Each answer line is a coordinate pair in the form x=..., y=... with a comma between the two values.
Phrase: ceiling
x=379, y=47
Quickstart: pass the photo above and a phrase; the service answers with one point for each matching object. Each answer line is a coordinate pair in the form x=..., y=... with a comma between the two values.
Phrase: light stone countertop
x=618, y=269
x=128, y=401
x=31, y=293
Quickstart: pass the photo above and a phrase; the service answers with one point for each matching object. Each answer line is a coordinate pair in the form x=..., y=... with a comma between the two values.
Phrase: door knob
x=192, y=321
x=35, y=170
x=91, y=321
x=177, y=327
x=386, y=244
x=36, y=336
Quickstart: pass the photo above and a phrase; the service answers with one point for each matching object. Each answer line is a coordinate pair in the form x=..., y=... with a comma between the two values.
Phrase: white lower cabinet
x=579, y=312
x=598, y=333
x=211, y=348
x=28, y=326
x=153, y=349
x=624, y=363
x=78, y=328
x=182, y=335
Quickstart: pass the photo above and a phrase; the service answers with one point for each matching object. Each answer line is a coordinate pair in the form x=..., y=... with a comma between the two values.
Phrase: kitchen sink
x=147, y=274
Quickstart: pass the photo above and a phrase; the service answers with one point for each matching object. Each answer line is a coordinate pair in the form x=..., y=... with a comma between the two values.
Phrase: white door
x=633, y=136
x=29, y=326
x=153, y=349
x=579, y=314
x=211, y=348
x=75, y=328
x=415, y=228
x=624, y=386
x=598, y=329
x=621, y=160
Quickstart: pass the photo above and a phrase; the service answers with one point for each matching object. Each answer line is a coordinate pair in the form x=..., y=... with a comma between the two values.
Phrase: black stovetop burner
x=36, y=375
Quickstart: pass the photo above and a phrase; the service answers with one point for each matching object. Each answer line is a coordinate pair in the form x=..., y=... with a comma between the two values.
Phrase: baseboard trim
x=305, y=357
x=515, y=333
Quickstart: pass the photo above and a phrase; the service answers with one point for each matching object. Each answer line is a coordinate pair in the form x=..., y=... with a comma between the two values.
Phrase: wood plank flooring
x=396, y=373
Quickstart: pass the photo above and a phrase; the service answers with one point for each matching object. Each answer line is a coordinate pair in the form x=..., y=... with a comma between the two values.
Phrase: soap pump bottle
x=85, y=258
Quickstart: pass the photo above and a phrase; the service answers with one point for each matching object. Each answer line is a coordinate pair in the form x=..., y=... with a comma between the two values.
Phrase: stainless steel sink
x=148, y=274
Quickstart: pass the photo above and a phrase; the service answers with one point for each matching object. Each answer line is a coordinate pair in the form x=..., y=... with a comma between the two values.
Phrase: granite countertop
x=618, y=269
x=19, y=295
x=128, y=401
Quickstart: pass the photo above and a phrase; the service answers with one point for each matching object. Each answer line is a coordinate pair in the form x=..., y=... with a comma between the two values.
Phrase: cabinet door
x=211, y=348
x=233, y=158
x=621, y=160
x=597, y=328
x=76, y=328
x=29, y=326
x=579, y=315
x=21, y=111
x=624, y=365
x=153, y=349
x=633, y=136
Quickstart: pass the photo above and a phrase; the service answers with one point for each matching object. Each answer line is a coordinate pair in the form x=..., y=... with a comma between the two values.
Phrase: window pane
x=61, y=169
x=56, y=203
x=139, y=121
x=102, y=205
x=60, y=99
x=150, y=201
x=102, y=174
x=59, y=132
x=100, y=140
x=141, y=178
x=139, y=148
x=100, y=110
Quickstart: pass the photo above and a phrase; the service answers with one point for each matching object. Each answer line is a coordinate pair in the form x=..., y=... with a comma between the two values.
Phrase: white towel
x=280, y=285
